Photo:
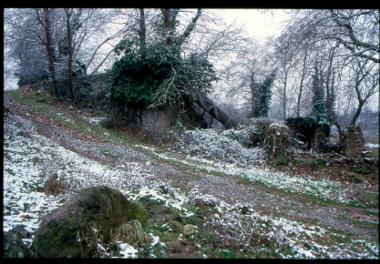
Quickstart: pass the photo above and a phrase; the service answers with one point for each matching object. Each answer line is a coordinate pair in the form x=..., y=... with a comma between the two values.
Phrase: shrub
x=157, y=78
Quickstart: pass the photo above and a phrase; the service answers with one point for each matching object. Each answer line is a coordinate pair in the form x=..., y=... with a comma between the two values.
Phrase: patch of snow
x=210, y=144
x=370, y=146
x=156, y=239
x=303, y=184
x=126, y=250
x=95, y=120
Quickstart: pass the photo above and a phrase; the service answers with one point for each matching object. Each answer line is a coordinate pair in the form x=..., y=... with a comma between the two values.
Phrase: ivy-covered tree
x=318, y=99
x=159, y=78
x=265, y=94
x=261, y=95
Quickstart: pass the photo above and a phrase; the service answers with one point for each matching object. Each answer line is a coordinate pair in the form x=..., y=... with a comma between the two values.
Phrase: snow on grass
x=95, y=120
x=22, y=203
x=26, y=155
x=30, y=158
x=126, y=250
x=175, y=200
x=323, y=189
x=210, y=144
x=371, y=146
x=257, y=233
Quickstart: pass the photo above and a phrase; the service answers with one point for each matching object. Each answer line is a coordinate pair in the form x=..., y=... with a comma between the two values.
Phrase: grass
x=162, y=215
x=244, y=180
x=281, y=159
x=167, y=223
x=50, y=110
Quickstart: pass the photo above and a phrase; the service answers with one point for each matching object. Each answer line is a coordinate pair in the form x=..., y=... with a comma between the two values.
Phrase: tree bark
x=49, y=50
x=189, y=27
x=142, y=31
x=168, y=24
x=69, y=56
x=301, y=84
x=284, y=96
x=357, y=113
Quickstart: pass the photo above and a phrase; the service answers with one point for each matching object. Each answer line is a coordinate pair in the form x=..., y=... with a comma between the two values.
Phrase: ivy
x=265, y=94
x=308, y=125
x=158, y=77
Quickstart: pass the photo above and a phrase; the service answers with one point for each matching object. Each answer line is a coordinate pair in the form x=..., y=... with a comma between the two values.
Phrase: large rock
x=100, y=207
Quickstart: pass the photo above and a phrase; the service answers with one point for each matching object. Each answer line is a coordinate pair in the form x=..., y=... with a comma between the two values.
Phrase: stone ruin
x=353, y=142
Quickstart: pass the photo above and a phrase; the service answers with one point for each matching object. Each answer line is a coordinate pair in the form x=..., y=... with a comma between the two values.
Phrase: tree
x=318, y=101
x=44, y=20
x=163, y=78
x=142, y=31
x=90, y=29
x=357, y=31
x=284, y=54
x=265, y=94
x=337, y=39
x=69, y=14
x=365, y=83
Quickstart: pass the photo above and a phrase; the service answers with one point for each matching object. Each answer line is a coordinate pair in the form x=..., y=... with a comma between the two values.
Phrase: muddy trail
x=90, y=141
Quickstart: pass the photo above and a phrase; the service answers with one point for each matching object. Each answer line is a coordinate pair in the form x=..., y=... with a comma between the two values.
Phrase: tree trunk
x=357, y=113
x=69, y=58
x=301, y=84
x=254, y=97
x=168, y=24
x=49, y=51
x=142, y=31
x=340, y=132
x=300, y=95
x=190, y=27
x=284, y=99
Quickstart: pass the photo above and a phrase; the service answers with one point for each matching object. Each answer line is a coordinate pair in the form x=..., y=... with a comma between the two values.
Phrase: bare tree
x=44, y=20
x=69, y=13
x=365, y=82
x=357, y=30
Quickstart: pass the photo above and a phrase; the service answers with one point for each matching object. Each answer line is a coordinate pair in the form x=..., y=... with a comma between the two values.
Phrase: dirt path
x=226, y=187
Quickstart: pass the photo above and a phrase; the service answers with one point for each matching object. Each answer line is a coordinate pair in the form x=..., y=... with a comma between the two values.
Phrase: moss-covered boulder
x=63, y=232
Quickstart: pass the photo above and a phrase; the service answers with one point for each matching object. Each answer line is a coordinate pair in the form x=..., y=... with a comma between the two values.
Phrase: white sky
x=259, y=23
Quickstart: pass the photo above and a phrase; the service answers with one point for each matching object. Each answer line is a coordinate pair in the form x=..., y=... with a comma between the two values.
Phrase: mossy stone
x=102, y=208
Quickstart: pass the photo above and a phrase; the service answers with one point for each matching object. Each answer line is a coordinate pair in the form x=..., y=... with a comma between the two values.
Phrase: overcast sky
x=259, y=23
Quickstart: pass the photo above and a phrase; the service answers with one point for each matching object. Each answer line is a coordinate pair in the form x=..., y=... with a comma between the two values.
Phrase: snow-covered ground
x=323, y=189
x=29, y=157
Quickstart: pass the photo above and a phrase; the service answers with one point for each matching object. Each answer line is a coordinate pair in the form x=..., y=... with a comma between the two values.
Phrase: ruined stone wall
x=88, y=90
